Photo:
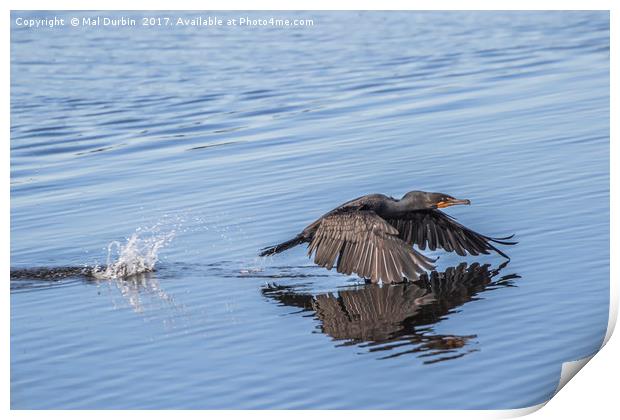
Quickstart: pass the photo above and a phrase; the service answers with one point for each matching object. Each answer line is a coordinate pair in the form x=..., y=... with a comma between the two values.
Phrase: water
x=186, y=150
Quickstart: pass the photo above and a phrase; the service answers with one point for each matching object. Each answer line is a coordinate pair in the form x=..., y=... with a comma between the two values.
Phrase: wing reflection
x=398, y=319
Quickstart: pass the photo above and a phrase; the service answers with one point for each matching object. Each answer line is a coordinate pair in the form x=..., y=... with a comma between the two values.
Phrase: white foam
x=138, y=255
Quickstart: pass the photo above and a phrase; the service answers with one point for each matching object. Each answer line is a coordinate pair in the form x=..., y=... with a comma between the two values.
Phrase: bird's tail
x=271, y=250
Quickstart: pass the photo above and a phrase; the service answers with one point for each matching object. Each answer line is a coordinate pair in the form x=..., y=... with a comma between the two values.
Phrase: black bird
x=373, y=235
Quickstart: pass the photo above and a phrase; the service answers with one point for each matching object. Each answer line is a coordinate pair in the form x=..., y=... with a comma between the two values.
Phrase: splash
x=138, y=255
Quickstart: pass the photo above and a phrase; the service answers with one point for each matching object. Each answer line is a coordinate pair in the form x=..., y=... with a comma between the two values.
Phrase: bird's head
x=420, y=200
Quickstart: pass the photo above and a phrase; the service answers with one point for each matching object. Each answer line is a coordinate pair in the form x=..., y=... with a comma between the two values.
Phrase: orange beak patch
x=453, y=202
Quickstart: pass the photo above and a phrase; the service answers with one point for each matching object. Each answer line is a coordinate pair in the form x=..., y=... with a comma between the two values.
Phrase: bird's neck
x=394, y=208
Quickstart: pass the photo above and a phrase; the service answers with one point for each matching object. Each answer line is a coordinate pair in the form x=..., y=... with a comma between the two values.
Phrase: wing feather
x=436, y=229
x=361, y=242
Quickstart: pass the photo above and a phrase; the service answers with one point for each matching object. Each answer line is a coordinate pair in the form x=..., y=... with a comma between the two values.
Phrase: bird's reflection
x=398, y=319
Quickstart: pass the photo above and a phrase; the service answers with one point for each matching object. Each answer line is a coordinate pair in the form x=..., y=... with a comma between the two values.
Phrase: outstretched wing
x=365, y=244
x=434, y=229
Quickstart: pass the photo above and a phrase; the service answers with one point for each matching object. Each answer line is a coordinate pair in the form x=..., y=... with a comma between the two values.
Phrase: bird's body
x=373, y=236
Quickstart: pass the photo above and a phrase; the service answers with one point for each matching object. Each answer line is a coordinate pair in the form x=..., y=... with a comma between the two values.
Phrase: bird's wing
x=436, y=229
x=365, y=244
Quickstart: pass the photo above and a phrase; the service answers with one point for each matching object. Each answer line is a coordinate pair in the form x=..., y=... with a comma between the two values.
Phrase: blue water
x=235, y=138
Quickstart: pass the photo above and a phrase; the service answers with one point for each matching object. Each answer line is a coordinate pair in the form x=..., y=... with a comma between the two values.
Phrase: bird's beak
x=451, y=202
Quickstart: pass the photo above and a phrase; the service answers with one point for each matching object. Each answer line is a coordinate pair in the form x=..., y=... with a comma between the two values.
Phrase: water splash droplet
x=138, y=255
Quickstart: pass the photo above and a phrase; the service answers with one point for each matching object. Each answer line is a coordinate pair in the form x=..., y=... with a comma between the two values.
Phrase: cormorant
x=373, y=236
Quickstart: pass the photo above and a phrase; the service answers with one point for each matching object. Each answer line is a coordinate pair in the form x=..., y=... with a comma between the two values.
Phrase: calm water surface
x=219, y=141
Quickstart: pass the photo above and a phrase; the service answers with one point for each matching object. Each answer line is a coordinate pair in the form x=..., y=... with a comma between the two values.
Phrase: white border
x=603, y=378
